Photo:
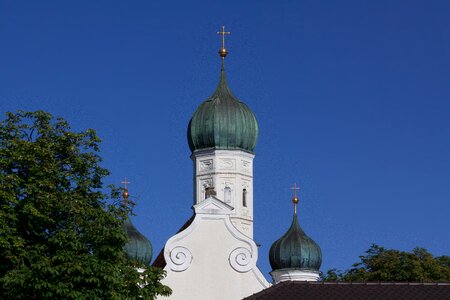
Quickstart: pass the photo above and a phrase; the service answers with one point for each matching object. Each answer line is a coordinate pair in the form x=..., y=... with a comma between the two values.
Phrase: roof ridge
x=368, y=283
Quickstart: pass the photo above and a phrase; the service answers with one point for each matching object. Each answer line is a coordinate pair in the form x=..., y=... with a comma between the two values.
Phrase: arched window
x=227, y=194
x=244, y=197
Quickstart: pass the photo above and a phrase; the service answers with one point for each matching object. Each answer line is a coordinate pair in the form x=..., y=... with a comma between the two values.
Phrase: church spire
x=295, y=256
x=222, y=135
x=223, y=121
x=138, y=248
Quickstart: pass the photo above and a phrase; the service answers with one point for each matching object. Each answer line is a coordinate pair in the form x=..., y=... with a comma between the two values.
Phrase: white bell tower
x=230, y=173
x=222, y=134
x=214, y=255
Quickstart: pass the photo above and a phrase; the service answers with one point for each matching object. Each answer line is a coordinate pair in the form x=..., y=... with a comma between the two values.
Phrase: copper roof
x=223, y=122
x=295, y=250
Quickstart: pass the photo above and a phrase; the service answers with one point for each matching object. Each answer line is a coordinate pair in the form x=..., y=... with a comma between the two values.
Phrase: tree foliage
x=380, y=264
x=61, y=236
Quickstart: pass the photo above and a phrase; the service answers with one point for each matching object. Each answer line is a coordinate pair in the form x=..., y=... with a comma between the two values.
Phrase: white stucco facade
x=230, y=172
x=212, y=259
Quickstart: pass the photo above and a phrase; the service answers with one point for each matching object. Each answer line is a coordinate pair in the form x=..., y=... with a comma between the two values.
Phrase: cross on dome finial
x=295, y=199
x=223, y=52
x=125, y=182
x=125, y=190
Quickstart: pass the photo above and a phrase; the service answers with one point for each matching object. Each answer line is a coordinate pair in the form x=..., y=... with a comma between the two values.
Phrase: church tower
x=214, y=256
x=222, y=134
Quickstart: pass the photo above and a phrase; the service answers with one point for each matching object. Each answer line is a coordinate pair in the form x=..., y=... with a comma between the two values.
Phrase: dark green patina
x=295, y=250
x=138, y=248
x=223, y=122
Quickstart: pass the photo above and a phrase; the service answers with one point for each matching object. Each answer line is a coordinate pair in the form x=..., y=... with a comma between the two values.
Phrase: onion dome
x=138, y=248
x=295, y=250
x=223, y=122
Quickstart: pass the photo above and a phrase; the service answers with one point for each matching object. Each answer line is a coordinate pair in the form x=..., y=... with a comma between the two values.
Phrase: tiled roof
x=354, y=291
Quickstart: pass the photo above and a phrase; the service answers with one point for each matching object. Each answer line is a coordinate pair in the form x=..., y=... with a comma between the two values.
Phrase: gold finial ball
x=126, y=194
x=223, y=52
x=295, y=200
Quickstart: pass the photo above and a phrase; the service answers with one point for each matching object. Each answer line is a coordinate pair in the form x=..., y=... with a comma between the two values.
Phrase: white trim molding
x=294, y=275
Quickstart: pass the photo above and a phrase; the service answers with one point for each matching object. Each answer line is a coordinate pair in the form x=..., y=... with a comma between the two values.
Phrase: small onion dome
x=223, y=122
x=138, y=248
x=295, y=250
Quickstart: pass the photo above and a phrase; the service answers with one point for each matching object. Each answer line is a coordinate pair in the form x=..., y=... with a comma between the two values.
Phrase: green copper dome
x=295, y=250
x=223, y=122
x=138, y=248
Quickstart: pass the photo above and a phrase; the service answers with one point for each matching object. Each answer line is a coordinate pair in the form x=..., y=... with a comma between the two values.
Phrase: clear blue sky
x=352, y=100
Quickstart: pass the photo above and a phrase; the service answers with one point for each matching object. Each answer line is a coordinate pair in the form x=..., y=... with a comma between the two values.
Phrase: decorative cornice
x=213, y=206
x=294, y=275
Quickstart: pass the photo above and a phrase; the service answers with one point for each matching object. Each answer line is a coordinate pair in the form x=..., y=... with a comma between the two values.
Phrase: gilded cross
x=125, y=191
x=295, y=199
x=295, y=188
x=223, y=52
x=125, y=182
x=223, y=33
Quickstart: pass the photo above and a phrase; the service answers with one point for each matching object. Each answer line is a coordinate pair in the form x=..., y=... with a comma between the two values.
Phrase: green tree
x=61, y=236
x=380, y=264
